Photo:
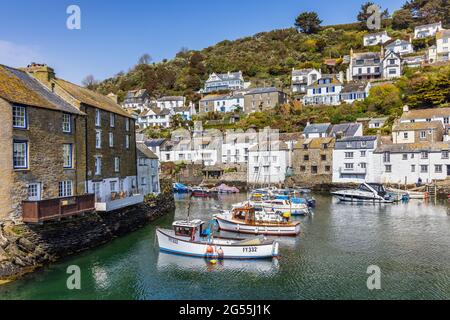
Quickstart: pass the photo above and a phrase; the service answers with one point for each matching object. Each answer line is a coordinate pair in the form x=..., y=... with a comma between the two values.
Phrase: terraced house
x=110, y=142
x=43, y=158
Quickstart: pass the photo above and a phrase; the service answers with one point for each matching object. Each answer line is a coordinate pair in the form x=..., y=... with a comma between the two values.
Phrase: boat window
x=183, y=231
x=364, y=188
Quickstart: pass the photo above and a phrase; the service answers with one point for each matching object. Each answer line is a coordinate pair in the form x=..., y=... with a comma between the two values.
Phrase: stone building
x=260, y=99
x=148, y=170
x=313, y=160
x=43, y=157
x=111, y=171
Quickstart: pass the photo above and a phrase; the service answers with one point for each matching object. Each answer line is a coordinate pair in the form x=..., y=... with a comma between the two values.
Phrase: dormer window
x=19, y=117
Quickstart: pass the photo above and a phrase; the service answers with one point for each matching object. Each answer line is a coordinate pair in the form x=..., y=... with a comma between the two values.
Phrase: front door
x=97, y=191
x=34, y=192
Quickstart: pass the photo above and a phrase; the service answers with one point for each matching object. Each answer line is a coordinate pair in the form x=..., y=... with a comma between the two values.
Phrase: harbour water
x=329, y=260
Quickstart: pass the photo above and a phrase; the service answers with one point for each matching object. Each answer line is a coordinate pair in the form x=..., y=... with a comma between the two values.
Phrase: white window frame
x=34, y=192
x=116, y=164
x=20, y=112
x=24, y=155
x=67, y=123
x=98, y=165
x=98, y=139
x=112, y=120
x=127, y=141
x=66, y=189
x=111, y=140
x=98, y=118
x=68, y=156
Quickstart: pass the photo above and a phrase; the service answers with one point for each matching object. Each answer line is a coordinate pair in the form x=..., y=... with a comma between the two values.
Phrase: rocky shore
x=26, y=247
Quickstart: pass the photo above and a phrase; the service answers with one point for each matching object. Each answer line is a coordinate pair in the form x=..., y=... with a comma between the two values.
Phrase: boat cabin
x=246, y=214
x=373, y=187
x=189, y=229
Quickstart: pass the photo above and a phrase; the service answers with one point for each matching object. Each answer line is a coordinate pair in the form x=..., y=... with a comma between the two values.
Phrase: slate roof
x=301, y=72
x=17, y=86
x=426, y=113
x=414, y=126
x=396, y=42
x=348, y=129
x=229, y=76
x=317, y=128
x=367, y=57
x=375, y=34
x=145, y=151
x=413, y=147
x=136, y=93
x=443, y=33
x=154, y=142
x=274, y=146
x=354, y=87
x=358, y=138
x=315, y=143
x=214, y=97
x=262, y=90
x=429, y=25
x=171, y=98
x=91, y=98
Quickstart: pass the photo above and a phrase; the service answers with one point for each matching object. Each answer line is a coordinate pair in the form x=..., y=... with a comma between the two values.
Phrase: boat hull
x=356, y=198
x=270, y=230
x=174, y=245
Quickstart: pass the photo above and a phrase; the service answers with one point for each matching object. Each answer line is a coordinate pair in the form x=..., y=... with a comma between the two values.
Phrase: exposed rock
x=26, y=245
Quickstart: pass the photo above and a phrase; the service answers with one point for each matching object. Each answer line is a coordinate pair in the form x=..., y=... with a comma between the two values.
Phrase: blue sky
x=115, y=33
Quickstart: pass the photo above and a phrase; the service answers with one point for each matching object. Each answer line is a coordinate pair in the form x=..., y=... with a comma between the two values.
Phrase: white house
x=353, y=159
x=365, y=66
x=148, y=170
x=399, y=46
x=392, y=65
x=237, y=145
x=221, y=103
x=155, y=117
x=325, y=91
x=155, y=146
x=407, y=163
x=355, y=91
x=426, y=115
x=317, y=130
x=302, y=78
x=268, y=163
x=352, y=129
x=171, y=102
x=428, y=30
x=376, y=38
x=377, y=123
x=137, y=99
x=185, y=112
x=443, y=45
x=224, y=81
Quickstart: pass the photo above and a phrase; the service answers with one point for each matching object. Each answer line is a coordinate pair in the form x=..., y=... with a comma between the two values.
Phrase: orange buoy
x=210, y=250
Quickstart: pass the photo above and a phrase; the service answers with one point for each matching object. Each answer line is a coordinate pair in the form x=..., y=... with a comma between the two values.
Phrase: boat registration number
x=250, y=249
x=173, y=240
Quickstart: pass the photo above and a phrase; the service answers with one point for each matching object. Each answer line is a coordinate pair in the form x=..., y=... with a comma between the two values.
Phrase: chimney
x=405, y=108
x=341, y=76
x=42, y=73
x=113, y=97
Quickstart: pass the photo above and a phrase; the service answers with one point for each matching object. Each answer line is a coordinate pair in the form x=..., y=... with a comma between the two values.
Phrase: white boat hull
x=227, y=224
x=295, y=209
x=175, y=245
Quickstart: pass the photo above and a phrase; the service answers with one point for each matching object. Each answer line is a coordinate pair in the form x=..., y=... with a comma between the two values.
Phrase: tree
x=89, y=82
x=429, y=11
x=402, y=19
x=145, y=59
x=364, y=14
x=308, y=22
x=383, y=99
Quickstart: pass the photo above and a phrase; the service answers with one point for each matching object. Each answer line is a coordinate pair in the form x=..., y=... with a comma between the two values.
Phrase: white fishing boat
x=278, y=206
x=188, y=238
x=411, y=194
x=367, y=192
x=246, y=220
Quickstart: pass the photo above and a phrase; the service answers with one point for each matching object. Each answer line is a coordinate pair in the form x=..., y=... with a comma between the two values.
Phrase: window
x=413, y=168
x=363, y=165
x=423, y=134
x=34, y=192
x=348, y=166
x=65, y=189
x=98, y=166
x=116, y=164
x=392, y=71
x=113, y=186
x=302, y=168
x=67, y=155
x=256, y=169
x=387, y=157
x=424, y=155
x=67, y=123
x=306, y=157
x=19, y=117
x=349, y=155
x=405, y=135
x=98, y=139
x=111, y=139
x=142, y=161
x=127, y=124
x=112, y=120
x=97, y=118
x=323, y=157
x=327, y=168
x=20, y=154
x=424, y=169
x=444, y=154
x=388, y=168
x=143, y=181
x=438, y=168
x=127, y=141
x=363, y=154
x=314, y=170
x=405, y=156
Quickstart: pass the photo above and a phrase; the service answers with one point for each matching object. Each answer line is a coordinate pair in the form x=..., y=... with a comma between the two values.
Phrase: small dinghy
x=246, y=220
x=200, y=192
x=191, y=238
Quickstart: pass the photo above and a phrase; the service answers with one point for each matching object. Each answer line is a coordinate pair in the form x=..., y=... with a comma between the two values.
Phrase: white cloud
x=17, y=55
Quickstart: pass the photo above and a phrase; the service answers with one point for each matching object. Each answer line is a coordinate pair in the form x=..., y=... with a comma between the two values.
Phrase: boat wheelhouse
x=193, y=238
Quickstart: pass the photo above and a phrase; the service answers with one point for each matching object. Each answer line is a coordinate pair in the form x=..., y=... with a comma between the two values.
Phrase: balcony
x=117, y=201
x=53, y=209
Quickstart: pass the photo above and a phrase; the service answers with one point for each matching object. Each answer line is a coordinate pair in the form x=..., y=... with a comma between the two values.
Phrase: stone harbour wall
x=24, y=247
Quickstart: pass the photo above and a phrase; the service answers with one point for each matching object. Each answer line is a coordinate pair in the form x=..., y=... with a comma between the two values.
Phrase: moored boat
x=246, y=220
x=367, y=192
x=200, y=192
x=190, y=239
